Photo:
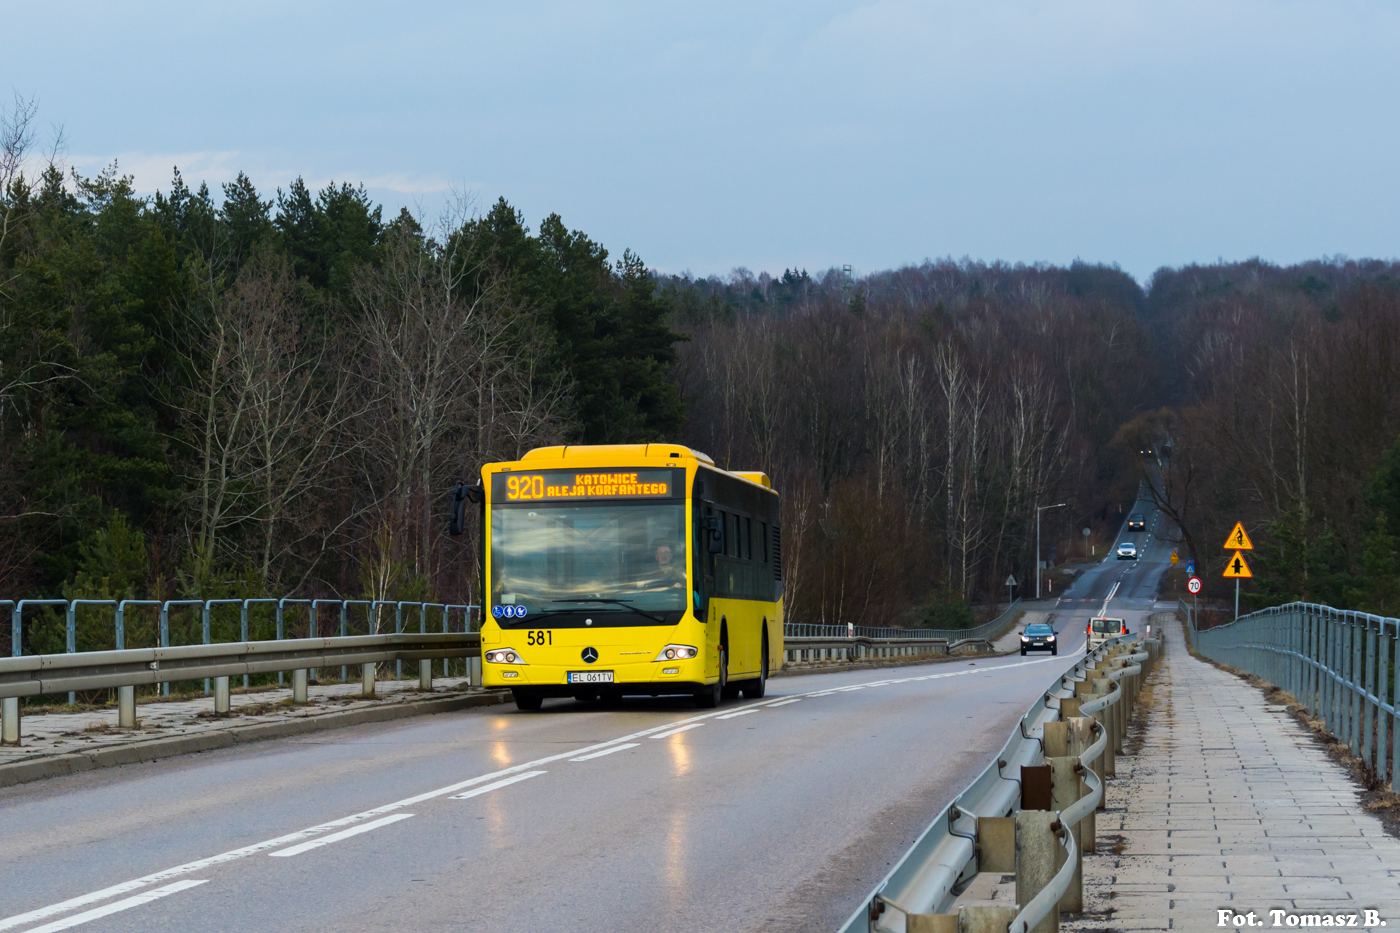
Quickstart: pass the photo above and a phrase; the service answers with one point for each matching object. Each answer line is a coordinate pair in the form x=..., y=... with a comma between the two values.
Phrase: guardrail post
x=996, y=843
x=367, y=679
x=221, y=698
x=1067, y=788
x=1081, y=736
x=299, y=692
x=1110, y=759
x=1091, y=688
x=126, y=707
x=935, y=923
x=985, y=919
x=425, y=676
x=9, y=721
x=474, y=671
x=1038, y=856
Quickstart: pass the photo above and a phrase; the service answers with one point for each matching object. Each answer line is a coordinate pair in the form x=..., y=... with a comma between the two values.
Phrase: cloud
x=151, y=172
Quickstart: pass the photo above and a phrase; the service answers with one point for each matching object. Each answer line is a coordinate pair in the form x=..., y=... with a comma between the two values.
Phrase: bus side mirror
x=461, y=495
x=716, y=534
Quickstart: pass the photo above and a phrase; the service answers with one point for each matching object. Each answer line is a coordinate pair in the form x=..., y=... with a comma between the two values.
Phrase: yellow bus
x=636, y=569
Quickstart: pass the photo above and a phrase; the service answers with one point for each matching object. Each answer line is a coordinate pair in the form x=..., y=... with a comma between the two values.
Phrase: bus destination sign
x=550, y=485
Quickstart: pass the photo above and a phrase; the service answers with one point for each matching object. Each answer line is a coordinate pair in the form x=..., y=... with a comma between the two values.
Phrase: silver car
x=1127, y=551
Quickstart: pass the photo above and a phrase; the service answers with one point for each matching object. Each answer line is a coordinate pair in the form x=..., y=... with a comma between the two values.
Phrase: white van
x=1101, y=630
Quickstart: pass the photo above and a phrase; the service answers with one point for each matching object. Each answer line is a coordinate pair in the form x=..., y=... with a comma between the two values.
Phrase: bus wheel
x=527, y=701
x=754, y=689
x=727, y=690
x=709, y=697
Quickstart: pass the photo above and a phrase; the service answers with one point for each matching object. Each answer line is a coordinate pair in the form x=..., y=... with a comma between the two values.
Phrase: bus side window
x=731, y=546
x=747, y=539
x=763, y=541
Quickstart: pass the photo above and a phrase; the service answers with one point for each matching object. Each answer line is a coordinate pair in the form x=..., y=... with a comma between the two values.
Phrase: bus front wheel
x=527, y=701
x=709, y=696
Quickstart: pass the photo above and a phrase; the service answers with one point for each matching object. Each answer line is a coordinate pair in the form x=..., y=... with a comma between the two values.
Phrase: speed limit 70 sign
x=1193, y=585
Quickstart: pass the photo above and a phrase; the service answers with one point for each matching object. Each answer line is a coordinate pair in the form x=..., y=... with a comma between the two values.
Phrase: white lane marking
x=670, y=728
x=606, y=751
x=496, y=785
x=742, y=712
x=784, y=702
x=336, y=837
x=670, y=732
x=107, y=910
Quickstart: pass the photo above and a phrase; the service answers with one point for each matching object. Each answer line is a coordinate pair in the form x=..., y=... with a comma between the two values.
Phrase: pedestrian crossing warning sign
x=1237, y=568
x=1238, y=540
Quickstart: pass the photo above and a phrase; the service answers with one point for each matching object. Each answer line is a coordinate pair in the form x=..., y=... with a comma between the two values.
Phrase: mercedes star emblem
x=590, y=655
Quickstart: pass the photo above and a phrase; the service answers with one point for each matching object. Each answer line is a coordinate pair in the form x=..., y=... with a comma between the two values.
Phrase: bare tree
x=448, y=375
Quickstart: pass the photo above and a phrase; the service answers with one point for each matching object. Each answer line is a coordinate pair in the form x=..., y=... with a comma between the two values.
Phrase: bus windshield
x=611, y=564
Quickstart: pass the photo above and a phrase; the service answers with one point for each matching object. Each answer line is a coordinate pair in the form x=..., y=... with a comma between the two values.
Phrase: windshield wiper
x=618, y=602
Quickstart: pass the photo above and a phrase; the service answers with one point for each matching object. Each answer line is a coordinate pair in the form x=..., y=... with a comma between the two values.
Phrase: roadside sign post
x=1010, y=582
x=1236, y=568
x=1086, y=532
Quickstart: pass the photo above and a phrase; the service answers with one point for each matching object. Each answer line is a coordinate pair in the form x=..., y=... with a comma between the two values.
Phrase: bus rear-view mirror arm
x=716, y=534
x=461, y=495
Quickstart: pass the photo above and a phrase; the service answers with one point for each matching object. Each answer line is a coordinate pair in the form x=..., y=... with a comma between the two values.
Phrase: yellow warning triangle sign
x=1237, y=568
x=1238, y=540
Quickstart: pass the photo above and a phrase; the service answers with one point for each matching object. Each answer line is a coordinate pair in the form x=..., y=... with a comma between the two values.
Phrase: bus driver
x=668, y=573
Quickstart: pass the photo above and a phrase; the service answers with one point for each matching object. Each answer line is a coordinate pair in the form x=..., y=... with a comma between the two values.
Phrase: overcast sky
x=712, y=135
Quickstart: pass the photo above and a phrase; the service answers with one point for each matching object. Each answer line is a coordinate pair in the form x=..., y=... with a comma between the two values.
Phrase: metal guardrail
x=1341, y=665
x=945, y=855
x=1187, y=615
x=987, y=630
x=801, y=650
x=127, y=669
x=374, y=609
x=39, y=674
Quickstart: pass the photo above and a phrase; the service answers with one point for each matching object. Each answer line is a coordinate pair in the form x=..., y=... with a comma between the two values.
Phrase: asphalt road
x=774, y=815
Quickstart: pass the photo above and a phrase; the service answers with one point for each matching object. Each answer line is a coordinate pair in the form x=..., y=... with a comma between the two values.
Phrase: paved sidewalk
x=48, y=734
x=1229, y=804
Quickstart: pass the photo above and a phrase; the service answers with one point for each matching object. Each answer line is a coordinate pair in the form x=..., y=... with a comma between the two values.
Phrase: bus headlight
x=677, y=653
x=503, y=656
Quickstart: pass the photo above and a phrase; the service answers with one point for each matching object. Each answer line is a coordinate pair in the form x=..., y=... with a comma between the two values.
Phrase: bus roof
x=614, y=451
x=600, y=454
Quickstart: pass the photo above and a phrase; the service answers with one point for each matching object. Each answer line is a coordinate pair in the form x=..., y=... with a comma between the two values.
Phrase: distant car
x=1101, y=630
x=1136, y=522
x=1038, y=637
x=1127, y=551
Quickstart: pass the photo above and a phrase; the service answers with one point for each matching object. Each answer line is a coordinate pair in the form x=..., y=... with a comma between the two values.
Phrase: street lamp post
x=1038, y=510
